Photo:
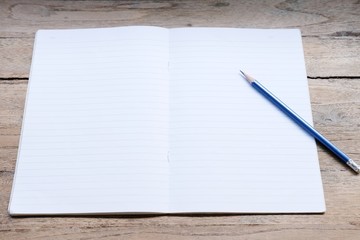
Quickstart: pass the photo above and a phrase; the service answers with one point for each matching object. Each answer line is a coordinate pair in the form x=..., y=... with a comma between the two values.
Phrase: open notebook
x=152, y=120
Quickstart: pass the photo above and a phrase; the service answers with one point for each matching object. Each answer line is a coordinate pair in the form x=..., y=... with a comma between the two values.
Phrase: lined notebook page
x=230, y=149
x=98, y=136
x=95, y=134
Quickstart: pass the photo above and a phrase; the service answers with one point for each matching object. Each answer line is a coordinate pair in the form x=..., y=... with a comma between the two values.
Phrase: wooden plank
x=15, y=57
x=315, y=18
x=324, y=58
x=332, y=57
x=341, y=220
x=12, y=99
x=335, y=104
x=331, y=38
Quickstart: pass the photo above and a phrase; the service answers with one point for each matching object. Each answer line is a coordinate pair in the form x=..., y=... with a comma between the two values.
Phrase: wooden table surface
x=331, y=39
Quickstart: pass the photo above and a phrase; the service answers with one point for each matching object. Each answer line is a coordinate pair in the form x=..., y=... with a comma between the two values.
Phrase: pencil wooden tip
x=247, y=77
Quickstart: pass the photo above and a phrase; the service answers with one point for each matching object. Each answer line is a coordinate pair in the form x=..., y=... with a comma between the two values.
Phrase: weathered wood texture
x=331, y=38
x=330, y=28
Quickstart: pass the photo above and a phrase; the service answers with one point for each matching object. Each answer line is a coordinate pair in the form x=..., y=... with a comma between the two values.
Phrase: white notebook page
x=231, y=150
x=95, y=135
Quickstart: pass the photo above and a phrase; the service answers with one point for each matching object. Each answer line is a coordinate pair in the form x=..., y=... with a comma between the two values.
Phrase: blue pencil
x=300, y=121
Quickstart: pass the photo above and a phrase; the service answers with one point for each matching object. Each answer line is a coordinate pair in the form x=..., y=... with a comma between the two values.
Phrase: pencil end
x=247, y=77
x=353, y=166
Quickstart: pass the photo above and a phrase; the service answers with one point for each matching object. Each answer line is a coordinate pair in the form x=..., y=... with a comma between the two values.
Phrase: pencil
x=300, y=121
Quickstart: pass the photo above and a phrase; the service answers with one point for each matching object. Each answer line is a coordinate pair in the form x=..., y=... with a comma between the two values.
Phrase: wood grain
x=331, y=30
x=331, y=39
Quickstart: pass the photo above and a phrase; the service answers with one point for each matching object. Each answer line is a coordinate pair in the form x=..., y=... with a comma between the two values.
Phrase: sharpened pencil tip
x=247, y=77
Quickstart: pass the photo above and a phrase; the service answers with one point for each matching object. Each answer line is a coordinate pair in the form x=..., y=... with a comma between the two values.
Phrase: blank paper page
x=95, y=131
x=230, y=149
